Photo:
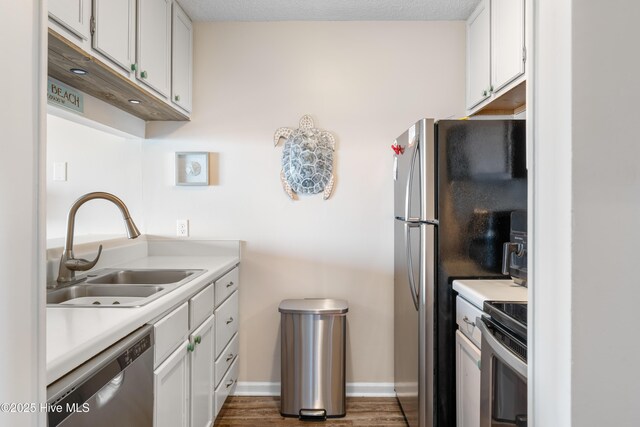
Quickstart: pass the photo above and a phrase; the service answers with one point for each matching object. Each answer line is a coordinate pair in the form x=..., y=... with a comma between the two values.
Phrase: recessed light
x=135, y=101
x=79, y=71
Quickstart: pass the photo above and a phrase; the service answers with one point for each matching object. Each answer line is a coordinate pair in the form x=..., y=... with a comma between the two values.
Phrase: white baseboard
x=248, y=388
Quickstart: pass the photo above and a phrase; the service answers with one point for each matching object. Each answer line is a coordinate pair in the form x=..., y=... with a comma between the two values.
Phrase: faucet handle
x=82, y=264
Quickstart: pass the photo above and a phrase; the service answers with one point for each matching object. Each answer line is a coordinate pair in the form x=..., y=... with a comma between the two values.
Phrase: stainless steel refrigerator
x=455, y=184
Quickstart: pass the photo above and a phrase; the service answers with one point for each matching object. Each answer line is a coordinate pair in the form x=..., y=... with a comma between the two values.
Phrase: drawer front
x=200, y=307
x=226, y=322
x=227, y=386
x=466, y=315
x=226, y=285
x=169, y=332
x=226, y=359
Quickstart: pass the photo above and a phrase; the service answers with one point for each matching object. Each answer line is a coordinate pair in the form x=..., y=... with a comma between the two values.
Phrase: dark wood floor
x=265, y=411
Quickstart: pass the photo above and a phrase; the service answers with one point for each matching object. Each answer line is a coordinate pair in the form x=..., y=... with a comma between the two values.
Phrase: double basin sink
x=111, y=287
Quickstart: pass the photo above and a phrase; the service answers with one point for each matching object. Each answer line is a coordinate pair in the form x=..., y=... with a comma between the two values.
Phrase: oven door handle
x=501, y=351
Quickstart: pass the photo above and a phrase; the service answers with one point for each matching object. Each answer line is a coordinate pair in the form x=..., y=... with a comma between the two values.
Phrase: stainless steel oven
x=503, y=378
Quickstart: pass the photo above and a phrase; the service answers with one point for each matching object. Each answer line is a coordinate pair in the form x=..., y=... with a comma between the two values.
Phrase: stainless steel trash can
x=313, y=357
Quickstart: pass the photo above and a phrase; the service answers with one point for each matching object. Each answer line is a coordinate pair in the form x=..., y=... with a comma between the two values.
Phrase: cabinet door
x=478, y=55
x=182, y=58
x=467, y=382
x=74, y=15
x=171, y=389
x=507, y=38
x=202, y=365
x=115, y=28
x=154, y=44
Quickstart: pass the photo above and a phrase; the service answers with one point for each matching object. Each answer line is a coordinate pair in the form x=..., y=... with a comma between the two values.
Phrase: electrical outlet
x=182, y=228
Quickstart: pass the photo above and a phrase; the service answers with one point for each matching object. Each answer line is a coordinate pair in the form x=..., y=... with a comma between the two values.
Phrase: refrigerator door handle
x=412, y=285
x=407, y=198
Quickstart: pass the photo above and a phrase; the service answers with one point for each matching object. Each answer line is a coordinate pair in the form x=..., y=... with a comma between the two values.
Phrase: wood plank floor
x=265, y=411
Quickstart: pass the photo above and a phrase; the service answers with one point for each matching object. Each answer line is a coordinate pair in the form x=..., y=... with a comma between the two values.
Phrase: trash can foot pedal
x=312, y=414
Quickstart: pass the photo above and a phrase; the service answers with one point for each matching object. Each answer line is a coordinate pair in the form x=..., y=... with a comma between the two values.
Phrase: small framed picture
x=192, y=168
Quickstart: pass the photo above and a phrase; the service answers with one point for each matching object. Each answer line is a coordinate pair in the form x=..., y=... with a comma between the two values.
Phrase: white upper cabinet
x=478, y=54
x=73, y=15
x=154, y=45
x=182, y=58
x=114, y=32
x=507, y=38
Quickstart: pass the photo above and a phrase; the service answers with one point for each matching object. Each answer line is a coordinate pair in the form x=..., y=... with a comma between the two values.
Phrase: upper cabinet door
x=154, y=44
x=74, y=15
x=478, y=54
x=182, y=55
x=115, y=28
x=507, y=35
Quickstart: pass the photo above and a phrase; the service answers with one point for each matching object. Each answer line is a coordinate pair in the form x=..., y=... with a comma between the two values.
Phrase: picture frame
x=192, y=168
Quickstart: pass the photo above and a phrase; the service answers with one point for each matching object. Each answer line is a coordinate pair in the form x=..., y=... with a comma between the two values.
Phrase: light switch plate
x=60, y=171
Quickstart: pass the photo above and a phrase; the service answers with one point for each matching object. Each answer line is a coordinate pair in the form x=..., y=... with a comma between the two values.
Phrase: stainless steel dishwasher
x=114, y=388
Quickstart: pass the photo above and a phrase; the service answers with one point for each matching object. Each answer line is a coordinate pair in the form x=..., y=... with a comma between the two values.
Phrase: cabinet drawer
x=466, y=315
x=227, y=386
x=226, y=322
x=201, y=306
x=226, y=359
x=226, y=285
x=170, y=331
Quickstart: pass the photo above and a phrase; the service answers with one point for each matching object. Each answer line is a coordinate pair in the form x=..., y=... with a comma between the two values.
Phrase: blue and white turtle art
x=307, y=159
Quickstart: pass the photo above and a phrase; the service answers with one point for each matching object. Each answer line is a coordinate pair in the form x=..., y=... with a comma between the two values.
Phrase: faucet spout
x=68, y=263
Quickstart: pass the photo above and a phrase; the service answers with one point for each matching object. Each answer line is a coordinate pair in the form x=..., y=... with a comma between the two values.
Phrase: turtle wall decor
x=307, y=159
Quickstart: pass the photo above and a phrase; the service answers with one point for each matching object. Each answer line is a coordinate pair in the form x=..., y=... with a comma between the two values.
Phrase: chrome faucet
x=68, y=264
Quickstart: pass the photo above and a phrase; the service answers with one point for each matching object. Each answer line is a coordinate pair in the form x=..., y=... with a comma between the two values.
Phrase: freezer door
x=414, y=173
x=407, y=176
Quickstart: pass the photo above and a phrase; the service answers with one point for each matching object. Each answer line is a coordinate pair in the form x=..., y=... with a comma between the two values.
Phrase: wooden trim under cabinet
x=104, y=83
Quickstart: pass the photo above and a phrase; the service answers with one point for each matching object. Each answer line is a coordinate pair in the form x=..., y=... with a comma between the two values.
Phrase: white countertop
x=74, y=335
x=479, y=291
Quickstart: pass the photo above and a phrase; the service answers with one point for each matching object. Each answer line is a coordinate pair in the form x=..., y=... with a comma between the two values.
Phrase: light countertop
x=479, y=291
x=74, y=335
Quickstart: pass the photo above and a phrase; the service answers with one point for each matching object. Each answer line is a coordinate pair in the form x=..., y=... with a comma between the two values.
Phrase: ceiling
x=328, y=10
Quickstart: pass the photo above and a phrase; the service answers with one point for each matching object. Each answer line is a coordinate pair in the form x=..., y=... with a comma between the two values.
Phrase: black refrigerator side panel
x=481, y=178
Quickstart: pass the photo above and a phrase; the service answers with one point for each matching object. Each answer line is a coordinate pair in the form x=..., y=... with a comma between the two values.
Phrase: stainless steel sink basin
x=120, y=287
x=140, y=277
x=100, y=295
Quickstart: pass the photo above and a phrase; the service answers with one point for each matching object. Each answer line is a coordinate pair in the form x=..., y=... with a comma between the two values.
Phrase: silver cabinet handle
x=466, y=320
x=229, y=357
x=230, y=320
x=230, y=284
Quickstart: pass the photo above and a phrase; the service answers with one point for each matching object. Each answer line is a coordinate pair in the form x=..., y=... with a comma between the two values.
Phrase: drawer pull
x=198, y=339
x=229, y=357
x=230, y=284
x=230, y=383
x=466, y=320
x=230, y=320
x=191, y=347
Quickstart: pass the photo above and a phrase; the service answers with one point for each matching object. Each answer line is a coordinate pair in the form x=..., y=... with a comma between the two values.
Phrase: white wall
x=22, y=351
x=587, y=185
x=549, y=109
x=606, y=211
x=365, y=82
x=96, y=161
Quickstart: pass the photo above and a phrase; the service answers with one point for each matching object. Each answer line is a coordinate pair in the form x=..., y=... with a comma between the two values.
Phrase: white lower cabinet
x=467, y=382
x=171, y=389
x=202, y=365
x=227, y=386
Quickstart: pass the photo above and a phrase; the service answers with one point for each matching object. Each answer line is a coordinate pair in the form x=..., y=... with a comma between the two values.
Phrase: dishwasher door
x=115, y=388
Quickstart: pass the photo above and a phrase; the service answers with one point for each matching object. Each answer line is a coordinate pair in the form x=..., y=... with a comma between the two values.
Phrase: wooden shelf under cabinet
x=104, y=83
x=513, y=101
